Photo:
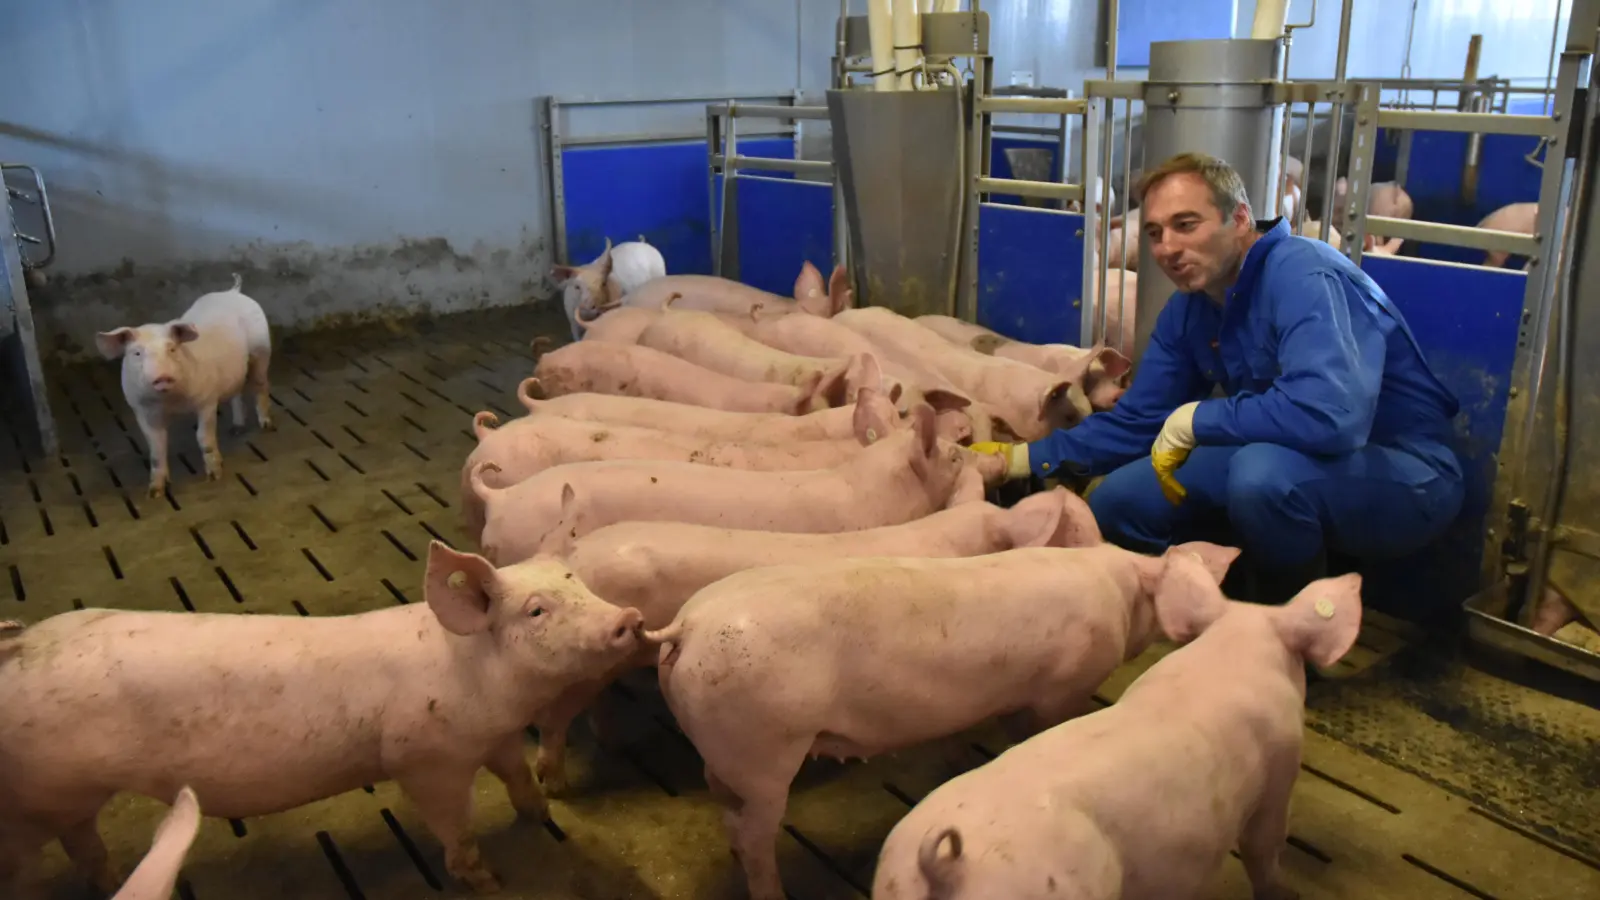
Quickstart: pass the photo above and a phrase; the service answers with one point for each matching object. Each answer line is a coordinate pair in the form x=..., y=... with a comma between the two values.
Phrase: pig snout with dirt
x=1029, y=401
x=899, y=478
x=219, y=348
x=527, y=446
x=1105, y=381
x=633, y=371
x=857, y=657
x=265, y=713
x=157, y=874
x=1520, y=218
x=1143, y=800
x=601, y=283
x=657, y=566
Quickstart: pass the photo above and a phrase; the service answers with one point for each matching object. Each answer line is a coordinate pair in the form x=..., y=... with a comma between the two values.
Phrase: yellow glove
x=1171, y=449
x=1015, y=455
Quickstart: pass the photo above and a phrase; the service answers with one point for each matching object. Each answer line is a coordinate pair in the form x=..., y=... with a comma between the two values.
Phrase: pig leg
x=256, y=379
x=238, y=414
x=154, y=426
x=553, y=723
x=1265, y=833
x=443, y=794
x=206, y=433
x=759, y=779
x=88, y=852
x=508, y=764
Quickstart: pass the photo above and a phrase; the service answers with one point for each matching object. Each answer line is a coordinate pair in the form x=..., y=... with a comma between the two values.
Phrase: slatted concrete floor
x=332, y=514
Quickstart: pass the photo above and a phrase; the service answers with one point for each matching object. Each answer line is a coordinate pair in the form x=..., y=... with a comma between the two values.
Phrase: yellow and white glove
x=1172, y=448
x=1015, y=456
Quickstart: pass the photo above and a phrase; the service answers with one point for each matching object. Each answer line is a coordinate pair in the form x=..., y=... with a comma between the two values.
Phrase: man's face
x=1196, y=245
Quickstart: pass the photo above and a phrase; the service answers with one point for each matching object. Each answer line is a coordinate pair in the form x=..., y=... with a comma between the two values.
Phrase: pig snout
x=625, y=629
x=162, y=383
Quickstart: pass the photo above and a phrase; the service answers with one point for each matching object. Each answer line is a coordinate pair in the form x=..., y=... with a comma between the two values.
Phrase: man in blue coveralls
x=1333, y=431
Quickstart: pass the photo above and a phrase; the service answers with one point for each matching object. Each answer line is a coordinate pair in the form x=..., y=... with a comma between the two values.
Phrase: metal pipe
x=1288, y=119
x=1464, y=122
x=1538, y=563
x=1337, y=135
x=1107, y=146
x=1122, y=272
x=1299, y=222
x=1513, y=242
x=1550, y=72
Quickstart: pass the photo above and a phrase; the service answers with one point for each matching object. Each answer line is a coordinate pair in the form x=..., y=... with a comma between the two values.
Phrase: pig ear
x=840, y=296
x=112, y=344
x=808, y=288
x=1323, y=621
x=183, y=332
x=1064, y=405
x=613, y=291
x=559, y=541
x=562, y=274
x=1112, y=361
x=1035, y=519
x=1187, y=599
x=1215, y=557
x=1078, y=527
x=954, y=425
x=869, y=422
x=457, y=589
x=603, y=261
x=941, y=400
x=924, y=422
x=157, y=874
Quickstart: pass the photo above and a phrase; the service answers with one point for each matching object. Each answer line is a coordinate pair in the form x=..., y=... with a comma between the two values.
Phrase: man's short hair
x=1227, y=188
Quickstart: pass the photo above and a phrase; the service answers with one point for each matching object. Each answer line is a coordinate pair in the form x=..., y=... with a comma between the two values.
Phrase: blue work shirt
x=1310, y=352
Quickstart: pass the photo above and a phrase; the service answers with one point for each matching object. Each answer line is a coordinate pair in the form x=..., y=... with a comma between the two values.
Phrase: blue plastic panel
x=1141, y=21
x=782, y=224
x=1030, y=273
x=657, y=190
x=1466, y=321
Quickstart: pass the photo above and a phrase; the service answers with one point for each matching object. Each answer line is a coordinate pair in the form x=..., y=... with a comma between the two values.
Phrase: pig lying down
x=157, y=874
x=265, y=713
x=219, y=348
x=899, y=478
x=709, y=293
x=656, y=567
x=610, y=276
x=1143, y=800
x=527, y=446
x=857, y=657
x=606, y=368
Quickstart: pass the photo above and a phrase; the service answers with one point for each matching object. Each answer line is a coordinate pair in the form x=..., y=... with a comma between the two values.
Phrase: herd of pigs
x=768, y=500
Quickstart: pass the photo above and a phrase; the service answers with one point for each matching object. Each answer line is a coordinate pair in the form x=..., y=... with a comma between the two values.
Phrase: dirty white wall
x=342, y=155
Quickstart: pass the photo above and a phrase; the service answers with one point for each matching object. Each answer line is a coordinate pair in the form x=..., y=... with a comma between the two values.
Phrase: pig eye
x=536, y=613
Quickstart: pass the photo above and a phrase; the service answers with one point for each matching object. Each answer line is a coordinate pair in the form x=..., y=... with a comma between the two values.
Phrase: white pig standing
x=1143, y=800
x=217, y=349
x=265, y=713
x=157, y=874
x=857, y=657
x=618, y=270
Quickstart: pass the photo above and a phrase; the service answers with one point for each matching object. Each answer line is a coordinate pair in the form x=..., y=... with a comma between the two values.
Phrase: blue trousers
x=1283, y=506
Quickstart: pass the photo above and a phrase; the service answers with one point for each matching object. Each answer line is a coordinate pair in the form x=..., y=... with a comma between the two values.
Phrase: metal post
x=967, y=300
x=1363, y=148
x=730, y=149
x=1336, y=136
x=1088, y=326
x=558, y=193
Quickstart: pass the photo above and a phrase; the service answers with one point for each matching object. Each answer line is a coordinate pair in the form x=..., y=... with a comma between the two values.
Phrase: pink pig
x=857, y=657
x=657, y=566
x=706, y=339
x=527, y=446
x=711, y=294
x=607, y=368
x=218, y=348
x=157, y=874
x=1522, y=218
x=902, y=477
x=604, y=281
x=265, y=713
x=1030, y=402
x=763, y=428
x=1107, y=377
x=1143, y=800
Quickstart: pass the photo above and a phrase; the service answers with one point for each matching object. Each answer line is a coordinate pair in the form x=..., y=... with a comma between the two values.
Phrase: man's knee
x=1130, y=509
x=1260, y=476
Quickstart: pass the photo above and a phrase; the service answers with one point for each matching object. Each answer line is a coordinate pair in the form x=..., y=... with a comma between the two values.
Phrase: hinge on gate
x=1514, y=549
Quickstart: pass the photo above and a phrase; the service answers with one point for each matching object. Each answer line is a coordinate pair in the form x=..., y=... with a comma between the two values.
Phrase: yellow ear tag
x=1324, y=607
x=457, y=580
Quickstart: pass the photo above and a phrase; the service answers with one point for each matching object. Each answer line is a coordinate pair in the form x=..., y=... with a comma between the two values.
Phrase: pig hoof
x=157, y=491
x=213, y=474
x=480, y=880
x=554, y=780
x=268, y=425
